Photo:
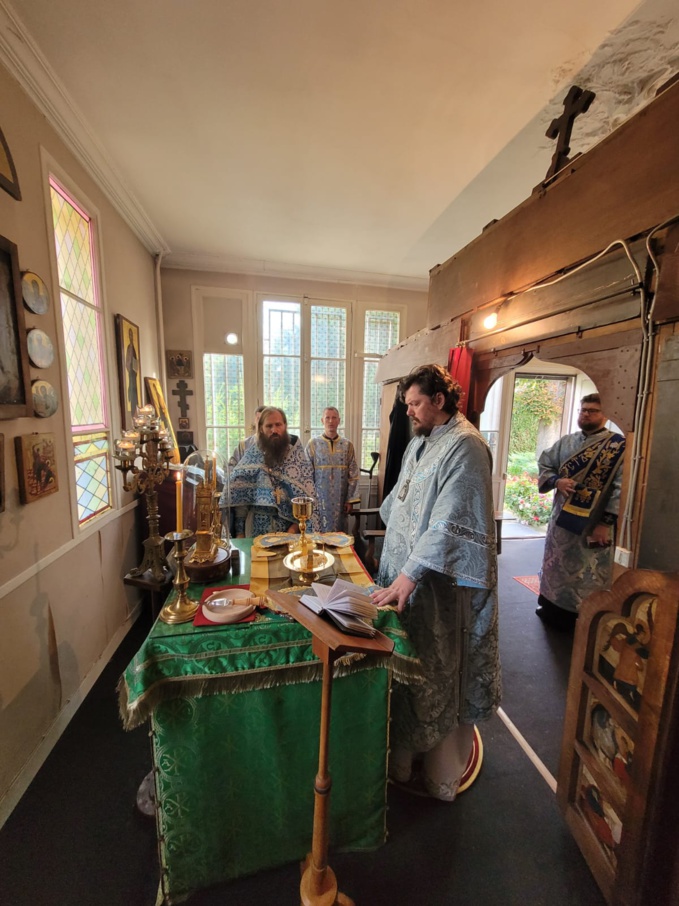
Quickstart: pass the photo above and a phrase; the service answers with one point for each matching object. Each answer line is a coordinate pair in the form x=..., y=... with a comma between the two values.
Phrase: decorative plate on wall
x=35, y=293
x=45, y=402
x=40, y=349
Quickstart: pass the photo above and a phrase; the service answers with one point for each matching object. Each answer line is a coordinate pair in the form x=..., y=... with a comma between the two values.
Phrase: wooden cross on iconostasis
x=182, y=393
x=577, y=101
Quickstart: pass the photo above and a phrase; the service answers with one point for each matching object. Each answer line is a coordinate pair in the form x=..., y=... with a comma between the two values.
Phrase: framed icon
x=45, y=402
x=40, y=348
x=36, y=466
x=35, y=293
x=129, y=370
x=15, y=394
x=179, y=363
x=155, y=396
x=9, y=181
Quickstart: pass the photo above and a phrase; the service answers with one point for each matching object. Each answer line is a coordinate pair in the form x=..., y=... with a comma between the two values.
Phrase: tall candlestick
x=214, y=469
x=180, y=503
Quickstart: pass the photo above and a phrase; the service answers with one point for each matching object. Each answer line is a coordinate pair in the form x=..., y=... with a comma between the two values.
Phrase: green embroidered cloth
x=183, y=660
x=235, y=723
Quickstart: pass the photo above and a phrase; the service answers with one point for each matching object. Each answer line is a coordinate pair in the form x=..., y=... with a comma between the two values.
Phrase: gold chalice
x=303, y=510
x=303, y=560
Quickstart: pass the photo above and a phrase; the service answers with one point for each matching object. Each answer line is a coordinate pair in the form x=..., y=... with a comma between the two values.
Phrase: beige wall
x=63, y=607
x=177, y=315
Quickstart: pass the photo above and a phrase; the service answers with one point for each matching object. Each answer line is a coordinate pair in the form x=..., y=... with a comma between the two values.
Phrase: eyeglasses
x=588, y=409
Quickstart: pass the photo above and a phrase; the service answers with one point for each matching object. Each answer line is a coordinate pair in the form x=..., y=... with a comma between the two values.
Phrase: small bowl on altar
x=229, y=605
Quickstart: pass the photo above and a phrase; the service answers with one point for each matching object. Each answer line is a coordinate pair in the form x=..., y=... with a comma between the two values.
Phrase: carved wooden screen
x=612, y=745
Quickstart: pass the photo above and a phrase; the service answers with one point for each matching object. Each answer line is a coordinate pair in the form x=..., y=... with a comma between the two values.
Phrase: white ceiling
x=360, y=140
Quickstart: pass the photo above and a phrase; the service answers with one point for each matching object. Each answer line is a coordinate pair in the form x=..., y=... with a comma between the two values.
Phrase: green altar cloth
x=235, y=715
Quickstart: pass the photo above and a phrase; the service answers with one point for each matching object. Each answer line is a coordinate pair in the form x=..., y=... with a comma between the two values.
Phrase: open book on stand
x=348, y=605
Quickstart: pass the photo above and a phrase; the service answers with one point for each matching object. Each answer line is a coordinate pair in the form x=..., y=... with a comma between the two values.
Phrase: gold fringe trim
x=133, y=714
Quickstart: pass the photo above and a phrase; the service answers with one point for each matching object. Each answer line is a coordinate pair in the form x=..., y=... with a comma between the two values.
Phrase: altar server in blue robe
x=336, y=473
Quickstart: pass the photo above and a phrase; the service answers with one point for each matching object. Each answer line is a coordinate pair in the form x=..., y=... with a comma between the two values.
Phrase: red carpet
x=531, y=582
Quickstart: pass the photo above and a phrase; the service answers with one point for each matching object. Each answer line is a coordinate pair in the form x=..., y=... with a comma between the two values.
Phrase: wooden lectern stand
x=319, y=885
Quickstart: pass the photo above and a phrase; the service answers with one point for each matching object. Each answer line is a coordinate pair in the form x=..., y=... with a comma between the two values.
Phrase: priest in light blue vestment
x=263, y=483
x=439, y=568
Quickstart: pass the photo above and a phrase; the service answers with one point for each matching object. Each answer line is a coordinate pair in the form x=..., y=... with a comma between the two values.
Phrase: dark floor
x=75, y=839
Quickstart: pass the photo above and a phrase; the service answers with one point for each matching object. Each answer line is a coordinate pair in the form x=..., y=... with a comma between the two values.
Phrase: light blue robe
x=261, y=496
x=571, y=570
x=336, y=475
x=441, y=534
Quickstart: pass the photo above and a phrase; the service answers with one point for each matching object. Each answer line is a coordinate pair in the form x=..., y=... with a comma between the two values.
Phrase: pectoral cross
x=577, y=101
x=183, y=392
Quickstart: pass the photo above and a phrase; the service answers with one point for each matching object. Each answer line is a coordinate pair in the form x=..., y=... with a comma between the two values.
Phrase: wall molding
x=40, y=754
x=26, y=63
x=37, y=567
x=228, y=264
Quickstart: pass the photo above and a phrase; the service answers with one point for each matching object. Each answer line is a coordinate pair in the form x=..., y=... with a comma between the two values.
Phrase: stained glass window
x=82, y=326
x=92, y=477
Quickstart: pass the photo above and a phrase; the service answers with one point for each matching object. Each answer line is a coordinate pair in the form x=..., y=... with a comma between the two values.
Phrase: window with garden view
x=537, y=413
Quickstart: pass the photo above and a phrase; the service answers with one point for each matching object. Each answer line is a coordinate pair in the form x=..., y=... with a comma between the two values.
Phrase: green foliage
x=536, y=401
x=521, y=464
x=523, y=500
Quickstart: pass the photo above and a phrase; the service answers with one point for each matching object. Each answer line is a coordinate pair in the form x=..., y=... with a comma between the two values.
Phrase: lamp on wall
x=490, y=321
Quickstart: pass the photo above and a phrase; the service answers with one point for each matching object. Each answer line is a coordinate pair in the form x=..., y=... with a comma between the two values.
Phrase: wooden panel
x=622, y=655
x=603, y=285
x=427, y=346
x=619, y=189
x=659, y=524
x=666, y=305
x=609, y=355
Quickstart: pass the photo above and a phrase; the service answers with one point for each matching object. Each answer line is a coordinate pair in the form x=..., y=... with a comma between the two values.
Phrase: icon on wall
x=15, y=397
x=35, y=293
x=179, y=363
x=40, y=348
x=36, y=466
x=9, y=181
x=129, y=370
x=45, y=402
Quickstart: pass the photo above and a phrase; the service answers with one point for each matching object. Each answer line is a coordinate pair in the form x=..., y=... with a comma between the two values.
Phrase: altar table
x=234, y=714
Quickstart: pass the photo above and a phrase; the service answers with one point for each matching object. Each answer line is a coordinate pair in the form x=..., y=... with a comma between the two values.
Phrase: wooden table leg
x=319, y=885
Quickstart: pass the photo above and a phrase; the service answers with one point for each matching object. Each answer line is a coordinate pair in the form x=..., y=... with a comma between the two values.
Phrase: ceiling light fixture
x=231, y=338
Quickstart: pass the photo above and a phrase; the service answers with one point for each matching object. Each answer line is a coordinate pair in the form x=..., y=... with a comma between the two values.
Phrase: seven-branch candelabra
x=144, y=456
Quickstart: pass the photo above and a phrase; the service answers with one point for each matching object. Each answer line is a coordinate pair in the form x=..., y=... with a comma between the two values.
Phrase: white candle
x=180, y=503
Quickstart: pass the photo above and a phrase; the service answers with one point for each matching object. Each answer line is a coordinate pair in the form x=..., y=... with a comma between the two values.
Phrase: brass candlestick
x=182, y=608
x=149, y=443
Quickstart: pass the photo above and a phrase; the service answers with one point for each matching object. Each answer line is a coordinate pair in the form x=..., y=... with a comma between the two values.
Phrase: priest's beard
x=274, y=448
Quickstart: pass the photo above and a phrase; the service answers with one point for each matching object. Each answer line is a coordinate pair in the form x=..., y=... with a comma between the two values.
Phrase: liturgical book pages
x=348, y=605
